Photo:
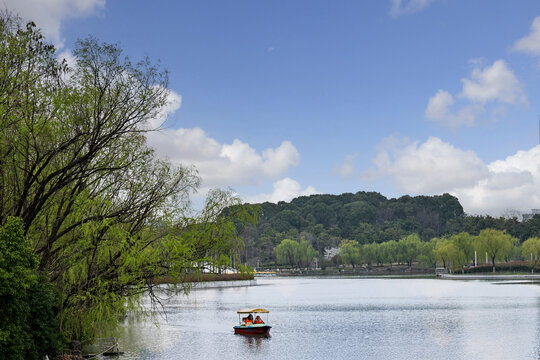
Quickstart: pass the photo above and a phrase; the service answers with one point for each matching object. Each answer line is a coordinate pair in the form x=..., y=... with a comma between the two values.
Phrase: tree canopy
x=28, y=329
x=369, y=217
x=104, y=216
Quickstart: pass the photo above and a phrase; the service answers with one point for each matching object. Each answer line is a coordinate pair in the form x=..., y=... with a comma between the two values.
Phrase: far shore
x=490, y=276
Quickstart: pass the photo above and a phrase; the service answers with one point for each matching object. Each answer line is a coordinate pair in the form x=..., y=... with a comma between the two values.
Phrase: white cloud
x=429, y=168
x=495, y=84
x=531, y=43
x=219, y=165
x=284, y=190
x=222, y=165
x=438, y=105
x=174, y=101
x=346, y=168
x=49, y=14
x=512, y=183
x=438, y=110
x=435, y=167
x=404, y=7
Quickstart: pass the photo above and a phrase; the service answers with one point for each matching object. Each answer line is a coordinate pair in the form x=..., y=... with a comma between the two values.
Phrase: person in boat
x=249, y=320
x=258, y=320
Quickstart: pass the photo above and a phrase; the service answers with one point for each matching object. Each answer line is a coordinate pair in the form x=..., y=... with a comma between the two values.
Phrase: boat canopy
x=256, y=310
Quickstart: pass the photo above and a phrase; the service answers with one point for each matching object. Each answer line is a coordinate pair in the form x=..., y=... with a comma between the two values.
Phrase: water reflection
x=537, y=352
x=254, y=342
x=348, y=318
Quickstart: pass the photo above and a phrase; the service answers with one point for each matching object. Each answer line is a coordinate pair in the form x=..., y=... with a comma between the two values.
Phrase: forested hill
x=325, y=220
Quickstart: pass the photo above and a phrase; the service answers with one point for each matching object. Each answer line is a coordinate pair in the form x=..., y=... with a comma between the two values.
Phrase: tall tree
x=409, y=248
x=497, y=244
x=306, y=253
x=531, y=250
x=104, y=216
x=464, y=253
x=349, y=250
x=286, y=252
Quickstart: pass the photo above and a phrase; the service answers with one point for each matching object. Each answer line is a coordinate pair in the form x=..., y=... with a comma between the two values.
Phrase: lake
x=347, y=318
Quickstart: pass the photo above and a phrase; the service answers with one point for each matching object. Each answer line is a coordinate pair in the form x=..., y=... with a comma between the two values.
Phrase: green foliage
x=370, y=253
x=409, y=248
x=306, y=253
x=497, y=244
x=349, y=250
x=531, y=250
x=28, y=329
x=369, y=217
x=427, y=256
x=104, y=215
x=464, y=243
x=292, y=253
x=286, y=252
x=366, y=217
x=390, y=251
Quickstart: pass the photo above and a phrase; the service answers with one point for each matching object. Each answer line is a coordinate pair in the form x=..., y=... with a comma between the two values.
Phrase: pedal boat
x=252, y=329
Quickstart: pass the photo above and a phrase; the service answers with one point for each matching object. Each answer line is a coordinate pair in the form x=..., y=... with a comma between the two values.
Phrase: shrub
x=28, y=329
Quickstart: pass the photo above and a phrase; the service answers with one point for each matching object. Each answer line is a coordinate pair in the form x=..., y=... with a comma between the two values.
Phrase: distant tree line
x=453, y=252
x=369, y=219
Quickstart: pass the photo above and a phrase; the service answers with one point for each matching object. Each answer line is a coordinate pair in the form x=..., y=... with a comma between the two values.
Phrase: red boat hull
x=252, y=330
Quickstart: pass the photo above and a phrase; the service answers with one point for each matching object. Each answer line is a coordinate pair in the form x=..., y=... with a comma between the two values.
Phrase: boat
x=249, y=322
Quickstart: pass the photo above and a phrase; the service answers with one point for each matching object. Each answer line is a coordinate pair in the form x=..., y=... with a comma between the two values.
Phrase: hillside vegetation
x=324, y=221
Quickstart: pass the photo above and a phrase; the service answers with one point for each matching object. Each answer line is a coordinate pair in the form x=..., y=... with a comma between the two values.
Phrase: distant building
x=527, y=217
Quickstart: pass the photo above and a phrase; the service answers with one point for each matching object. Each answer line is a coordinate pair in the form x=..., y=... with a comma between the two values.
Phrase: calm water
x=317, y=318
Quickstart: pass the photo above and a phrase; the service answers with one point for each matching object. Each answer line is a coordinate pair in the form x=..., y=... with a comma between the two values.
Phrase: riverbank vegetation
x=99, y=216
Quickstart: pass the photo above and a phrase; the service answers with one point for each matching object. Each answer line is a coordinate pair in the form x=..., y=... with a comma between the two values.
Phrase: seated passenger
x=258, y=320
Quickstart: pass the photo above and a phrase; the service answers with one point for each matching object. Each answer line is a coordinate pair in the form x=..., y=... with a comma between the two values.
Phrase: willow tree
x=495, y=243
x=530, y=249
x=105, y=217
x=287, y=252
x=409, y=248
x=349, y=250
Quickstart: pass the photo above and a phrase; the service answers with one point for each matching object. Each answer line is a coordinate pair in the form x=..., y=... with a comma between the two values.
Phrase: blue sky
x=277, y=99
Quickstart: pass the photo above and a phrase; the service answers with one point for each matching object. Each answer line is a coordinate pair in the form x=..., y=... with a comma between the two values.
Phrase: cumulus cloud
x=346, y=168
x=219, y=165
x=512, y=183
x=435, y=167
x=531, y=43
x=284, y=190
x=495, y=84
x=429, y=168
x=222, y=165
x=404, y=7
x=49, y=14
x=439, y=110
x=173, y=103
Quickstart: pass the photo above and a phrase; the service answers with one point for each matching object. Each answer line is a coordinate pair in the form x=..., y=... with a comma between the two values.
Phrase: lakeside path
x=489, y=277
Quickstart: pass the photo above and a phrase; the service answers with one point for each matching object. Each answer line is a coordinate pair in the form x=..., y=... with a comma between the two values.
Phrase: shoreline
x=489, y=277
x=222, y=284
